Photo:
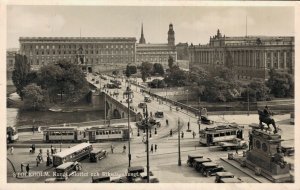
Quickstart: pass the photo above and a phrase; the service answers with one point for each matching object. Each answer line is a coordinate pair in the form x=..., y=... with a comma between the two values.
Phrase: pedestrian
x=22, y=167
x=167, y=122
x=188, y=124
x=182, y=134
x=112, y=148
x=151, y=149
x=27, y=169
x=237, y=150
x=52, y=150
x=32, y=129
x=194, y=134
x=33, y=148
x=124, y=148
x=150, y=113
x=48, y=153
x=155, y=147
x=37, y=161
x=11, y=150
x=171, y=133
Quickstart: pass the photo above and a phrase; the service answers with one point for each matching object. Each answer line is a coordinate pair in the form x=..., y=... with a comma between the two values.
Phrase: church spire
x=142, y=39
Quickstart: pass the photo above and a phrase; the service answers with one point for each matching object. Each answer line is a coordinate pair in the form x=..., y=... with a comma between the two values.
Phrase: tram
x=211, y=136
x=63, y=134
x=118, y=132
x=11, y=134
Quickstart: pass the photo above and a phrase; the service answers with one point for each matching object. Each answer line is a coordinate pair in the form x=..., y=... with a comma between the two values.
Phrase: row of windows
x=55, y=133
x=108, y=132
x=228, y=133
x=76, y=46
x=59, y=52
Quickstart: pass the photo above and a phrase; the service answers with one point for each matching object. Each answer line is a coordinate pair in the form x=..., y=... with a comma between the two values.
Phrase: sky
x=191, y=24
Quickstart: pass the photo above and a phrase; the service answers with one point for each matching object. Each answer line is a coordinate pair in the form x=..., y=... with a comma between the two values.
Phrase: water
x=16, y=117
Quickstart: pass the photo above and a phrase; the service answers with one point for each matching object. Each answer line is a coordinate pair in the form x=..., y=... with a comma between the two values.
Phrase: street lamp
x=146, y=125
x=179, y=154
x=129, y=95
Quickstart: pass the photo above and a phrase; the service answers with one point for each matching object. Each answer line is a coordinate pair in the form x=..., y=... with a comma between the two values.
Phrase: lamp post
x=129, y=95
x=146, y=125
x=179, y=155
x=199, y=115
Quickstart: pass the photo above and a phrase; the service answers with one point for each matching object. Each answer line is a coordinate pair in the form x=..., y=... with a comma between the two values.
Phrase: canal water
x=17, y=117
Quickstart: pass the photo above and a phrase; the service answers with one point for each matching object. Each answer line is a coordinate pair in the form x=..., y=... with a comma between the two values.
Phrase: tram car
x=63, y=134
x=11, y=134
x=102, y=133
x=223, y=133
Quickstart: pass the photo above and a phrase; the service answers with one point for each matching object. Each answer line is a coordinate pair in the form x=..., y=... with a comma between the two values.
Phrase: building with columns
x=156, y=53
x=250, y=56
x=91, y=53
x=10, y=59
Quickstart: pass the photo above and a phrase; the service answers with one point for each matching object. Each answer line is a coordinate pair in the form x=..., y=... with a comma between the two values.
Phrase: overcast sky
x=191, y=24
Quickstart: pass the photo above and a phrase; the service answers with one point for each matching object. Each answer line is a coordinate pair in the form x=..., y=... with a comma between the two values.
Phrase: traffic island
x=264, y=158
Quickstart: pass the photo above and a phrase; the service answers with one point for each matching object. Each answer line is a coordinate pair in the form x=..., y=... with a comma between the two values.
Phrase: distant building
x=10, y=59
x=250, y=56
x=182, y=51
x=156, y=53
x=90, y=52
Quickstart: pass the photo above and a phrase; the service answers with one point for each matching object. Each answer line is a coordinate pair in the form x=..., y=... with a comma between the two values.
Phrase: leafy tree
x=156, y=83
x=130, y=69
x=158, y=68
x=34, y=97
x=20, y=73
x=177, y=77
x=146, y=70
x=281, y=84
x=198, y=75
x=64, y=78
x=258, y=91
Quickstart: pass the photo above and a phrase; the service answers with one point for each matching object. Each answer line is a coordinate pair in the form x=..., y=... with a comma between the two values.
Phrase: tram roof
x=60, y=128
x=106, y=127
x=71, y=150
x=64, y=165
x=224, y=128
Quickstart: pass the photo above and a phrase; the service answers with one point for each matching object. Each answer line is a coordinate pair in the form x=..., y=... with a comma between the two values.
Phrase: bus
x=11, y=134
x=211, y=136
x=117, y=132
x=75, y=153
x=63, y=134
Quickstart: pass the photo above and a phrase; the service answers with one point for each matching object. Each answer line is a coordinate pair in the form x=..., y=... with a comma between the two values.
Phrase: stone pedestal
x=266, y=159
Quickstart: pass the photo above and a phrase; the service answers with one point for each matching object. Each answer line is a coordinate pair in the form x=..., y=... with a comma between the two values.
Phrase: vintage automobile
x=210, y=169
x=159, y=114
x=130, y=100
x=288, y=151
x=199, y=161
x=152, y=122
x=63, y=171
x=222, y=175
x=97, y=154
x=135, y=174
x=206, y=120
x=231, y=180
x=142, y=105
x=233, y=145
x=191, y=159
x=147, y=99
x=100, y=179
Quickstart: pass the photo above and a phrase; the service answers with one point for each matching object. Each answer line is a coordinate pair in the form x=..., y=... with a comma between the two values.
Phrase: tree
x=146, y=70
x=198, y=75
x=258, y=91
x=156, y=83
x=20, y=73
x=158, y=68
x=130, y=69
x=177, y=77
x=281, y=84
x=64, y=78
x=34, y=97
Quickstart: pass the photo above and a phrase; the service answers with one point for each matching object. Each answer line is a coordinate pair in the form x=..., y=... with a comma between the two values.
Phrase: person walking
x=112, y=148
x=52, y=150
x=182, y=134
x=188, y=124
x=22, y=165
x=151, y=149
x=11, y=150
x=124, y=148
x=171, y=133
x=167, y=122
x=37, y=161
x=27, y=169
x=155, y=147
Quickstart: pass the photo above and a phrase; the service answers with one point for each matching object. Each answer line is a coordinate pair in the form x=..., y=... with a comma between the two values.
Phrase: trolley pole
x=179, y=156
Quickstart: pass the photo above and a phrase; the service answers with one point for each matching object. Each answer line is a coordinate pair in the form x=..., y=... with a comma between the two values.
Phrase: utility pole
x=179, y=156
x=248, y=100
x=147, y=143
x=199, y=115
x=128, y=100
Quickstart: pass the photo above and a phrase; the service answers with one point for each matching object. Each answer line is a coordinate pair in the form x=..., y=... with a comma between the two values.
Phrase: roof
x=71, y=150
x=136, y=169
x=224, y=174
x=64, y=165
x=107, y=127
x=209, y=164
x=202, y=159
x=85, y=39
x=60, y=128
x=231, y=180
x=195, y=155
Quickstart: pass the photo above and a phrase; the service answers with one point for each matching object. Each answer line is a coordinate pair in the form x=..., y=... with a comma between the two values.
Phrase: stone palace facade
x=251, y=56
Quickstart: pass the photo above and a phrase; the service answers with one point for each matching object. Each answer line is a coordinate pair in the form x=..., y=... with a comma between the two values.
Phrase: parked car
x=147, y=99
x=142, y=105
x=233, y=145
x=210, y=169
x=231, y=180
x=135, y=174
x=191, y=159
x=63, y=171
x=199, y=161
x=159, y=114
x=97, y=154
x=100, y=179
x=222, y=175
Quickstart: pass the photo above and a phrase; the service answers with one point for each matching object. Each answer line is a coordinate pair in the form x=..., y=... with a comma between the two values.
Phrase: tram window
x=222, y=134
x=216, y=135
x=228, y=133
x=112, y=132
x=97, y=132
x=109, y=132
x=106, y=132
x=233, y=132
